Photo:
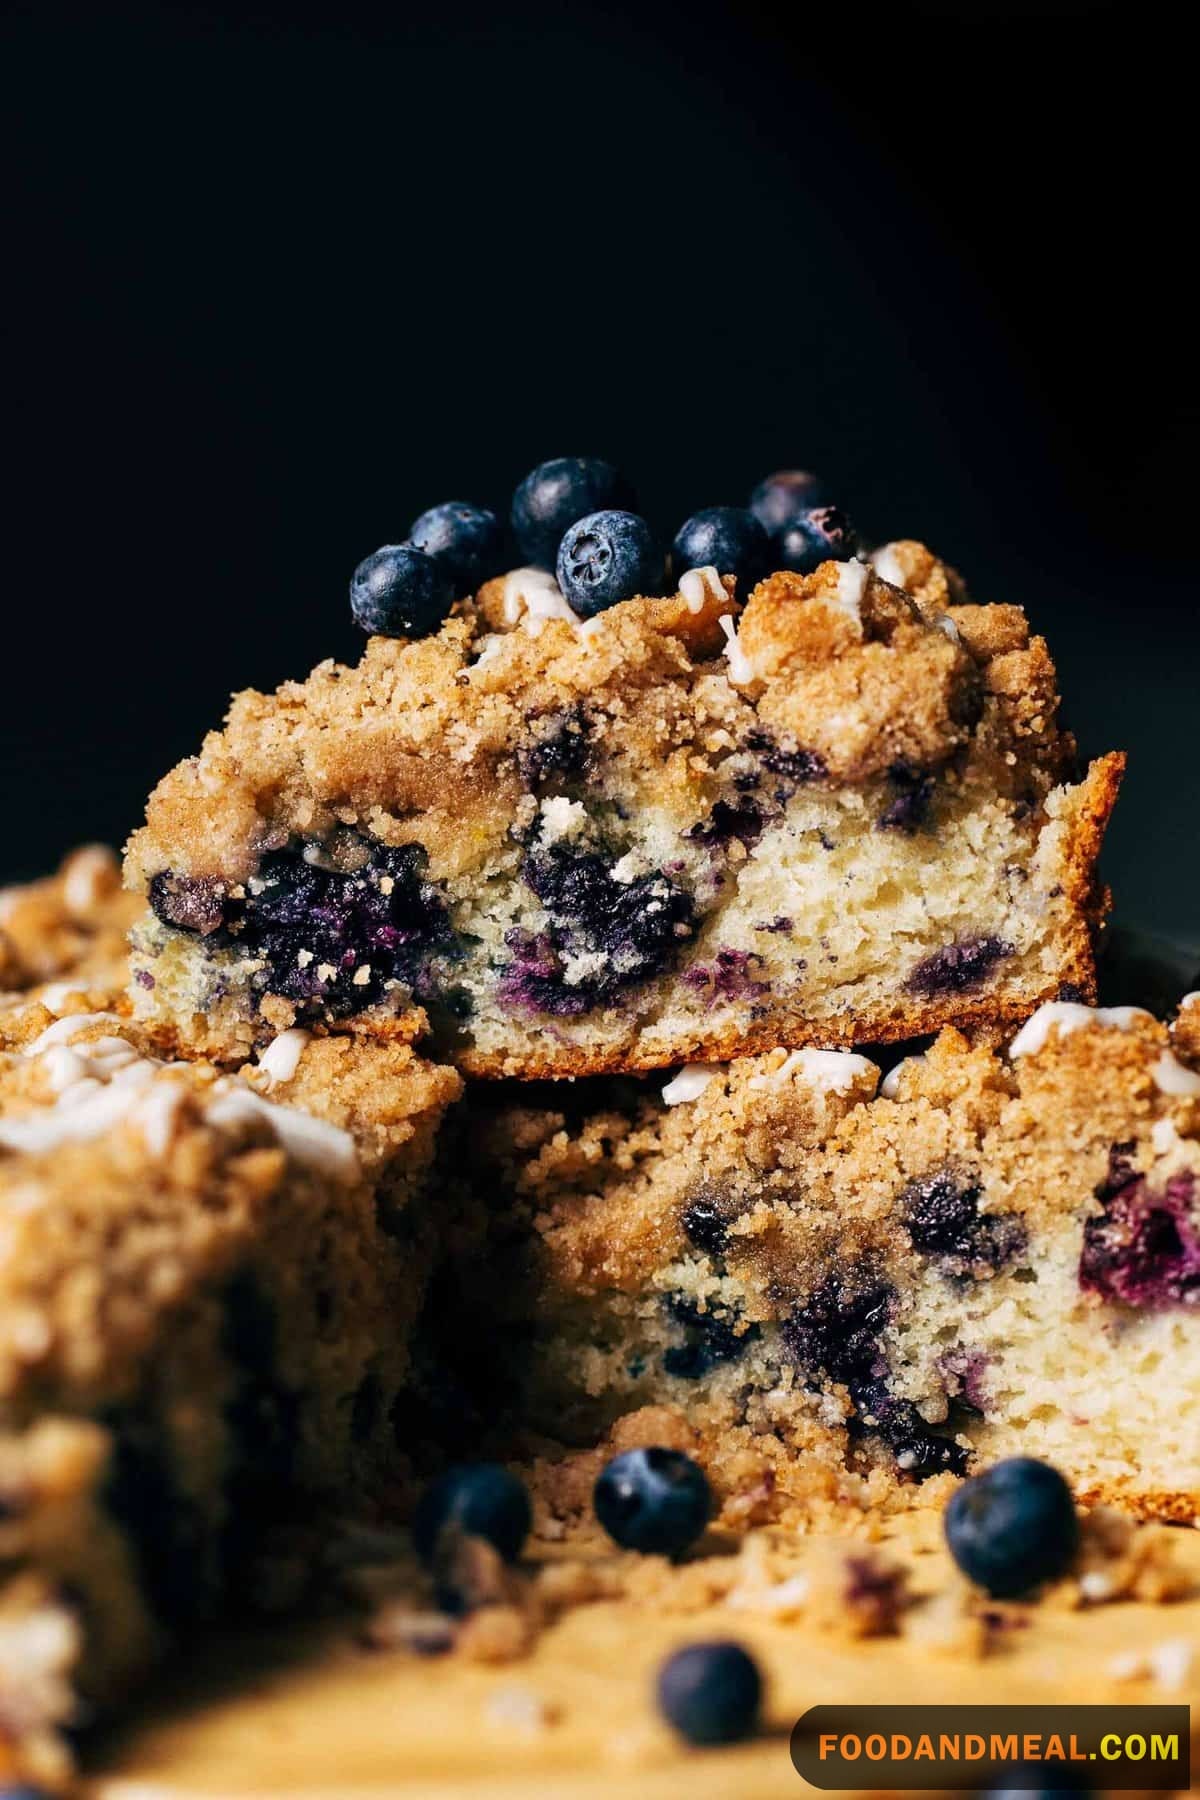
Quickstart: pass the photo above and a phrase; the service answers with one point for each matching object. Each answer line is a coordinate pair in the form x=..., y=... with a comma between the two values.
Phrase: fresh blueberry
x=822, y=534
x=1013, y=1527
x=776, y=501
x=711, y=1693
x=657, y=1501
x=606, y=557
x=466, y=540
x=555, y=495
x=401, y=592
x=728, y=539
x=482, y=1500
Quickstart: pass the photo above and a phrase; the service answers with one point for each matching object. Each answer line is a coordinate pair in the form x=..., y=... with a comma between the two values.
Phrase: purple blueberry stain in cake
x=837, y=1332
x=195, y=903
x=535, y=979
x=941, y=1213
x=730, y=976
x=144, y=978
x=557, y=749
x=603, y=935
x=1143, y=1247
x=326, y=938
x=839, y=1327
x=706, y=1218
x=781, y=925
x=738, y=820
x=919, y=1451
x=957, y=968
x=908, y=810
x=796, y=765
x=708, y=1339
x=964, y=1373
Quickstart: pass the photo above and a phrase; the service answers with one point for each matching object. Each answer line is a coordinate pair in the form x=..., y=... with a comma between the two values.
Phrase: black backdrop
x=281, y=277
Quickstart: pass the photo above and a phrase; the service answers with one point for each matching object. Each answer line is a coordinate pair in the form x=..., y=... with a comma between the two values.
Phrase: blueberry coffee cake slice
x=207, y=1283
x=566, y=826
x=825, y=1284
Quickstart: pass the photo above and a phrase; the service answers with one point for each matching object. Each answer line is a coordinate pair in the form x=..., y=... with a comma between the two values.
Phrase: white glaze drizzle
x=55, y=994
x=851, y=586
x=889, y=1087
x=697, y=585
x=63, y=1030
x=518, y=585
x=886, y=564
x=107, y=1082
x=1070, y=1016
x=534, y=596
x=689, y=1084
x=741, y=669
x=280, y=1060
x=158, y=1114
x=830, y=1071
x=489, y=649
x=89, y=875
x=1164, y=1138
x=1172, y=1078
x=312, y=1142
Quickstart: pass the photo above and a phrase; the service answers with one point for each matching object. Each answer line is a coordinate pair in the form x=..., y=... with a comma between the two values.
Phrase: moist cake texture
x=845, y=812
x=207, y=1283
x=825, y=1287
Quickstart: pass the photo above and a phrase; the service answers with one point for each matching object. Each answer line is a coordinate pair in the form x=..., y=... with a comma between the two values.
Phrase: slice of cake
x=72, y=924
x=207, y=1283
x=825, y=1285
x=678, y=829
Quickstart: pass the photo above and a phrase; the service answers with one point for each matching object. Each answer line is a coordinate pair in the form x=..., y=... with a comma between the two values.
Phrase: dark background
x=281, y=277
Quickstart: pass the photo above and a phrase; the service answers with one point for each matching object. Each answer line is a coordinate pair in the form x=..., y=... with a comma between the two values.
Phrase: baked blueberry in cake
x=613, y=821
x=207, y=1283
x=841, y=1284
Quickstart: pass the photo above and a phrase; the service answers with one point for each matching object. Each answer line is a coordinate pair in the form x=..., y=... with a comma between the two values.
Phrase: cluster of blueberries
x=575, y=515
x=1009, y=1530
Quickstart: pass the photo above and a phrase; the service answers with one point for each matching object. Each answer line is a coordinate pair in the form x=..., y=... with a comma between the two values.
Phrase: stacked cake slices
x=709, y=856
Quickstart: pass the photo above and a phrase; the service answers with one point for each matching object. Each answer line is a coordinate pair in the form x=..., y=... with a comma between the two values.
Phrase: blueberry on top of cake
x=608, y=819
